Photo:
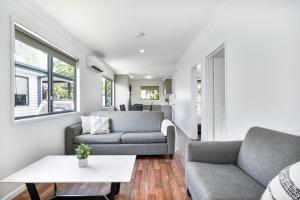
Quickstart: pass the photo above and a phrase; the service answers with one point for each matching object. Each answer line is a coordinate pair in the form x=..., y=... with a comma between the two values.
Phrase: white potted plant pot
x=82, y=162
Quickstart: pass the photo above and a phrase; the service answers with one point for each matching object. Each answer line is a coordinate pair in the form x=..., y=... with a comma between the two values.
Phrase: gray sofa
x=132, y=133
x=239, y=169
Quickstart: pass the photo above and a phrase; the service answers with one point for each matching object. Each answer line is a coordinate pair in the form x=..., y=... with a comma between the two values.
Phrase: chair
x=122, y=107
x=137, y=107
x=151, y=107
x=239, y=169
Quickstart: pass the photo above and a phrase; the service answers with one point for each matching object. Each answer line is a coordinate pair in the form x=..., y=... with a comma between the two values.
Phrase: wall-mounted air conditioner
x=95, y=63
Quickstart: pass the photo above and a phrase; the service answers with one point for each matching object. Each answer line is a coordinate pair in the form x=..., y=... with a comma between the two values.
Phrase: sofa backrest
x=132, y=121
x=264, y=153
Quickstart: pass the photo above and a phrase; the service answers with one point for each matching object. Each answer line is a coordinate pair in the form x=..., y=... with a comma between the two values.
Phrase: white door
x=172, y=99
x=219, y=98
x=215, y=100
x=196, y=101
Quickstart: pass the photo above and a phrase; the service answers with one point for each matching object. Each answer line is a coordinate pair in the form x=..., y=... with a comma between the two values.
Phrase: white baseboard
x=14, y=193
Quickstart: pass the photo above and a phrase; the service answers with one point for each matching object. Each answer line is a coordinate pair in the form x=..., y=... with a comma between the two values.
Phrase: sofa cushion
x=221, y=181
x=264, y=153
x=110, y=138
x=143, y=138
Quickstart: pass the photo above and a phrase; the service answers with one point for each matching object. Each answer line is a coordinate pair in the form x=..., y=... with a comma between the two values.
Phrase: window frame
x=49, y=73
x=105, y=93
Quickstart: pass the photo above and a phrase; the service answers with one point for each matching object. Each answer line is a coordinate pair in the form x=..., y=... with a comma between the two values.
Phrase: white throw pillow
x=99, y=125
x=285, y=186
x=86, y=124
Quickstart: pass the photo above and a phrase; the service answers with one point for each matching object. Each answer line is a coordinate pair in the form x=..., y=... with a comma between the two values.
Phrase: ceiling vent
x=95, y=63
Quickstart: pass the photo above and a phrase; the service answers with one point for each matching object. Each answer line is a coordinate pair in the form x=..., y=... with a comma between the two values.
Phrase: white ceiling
x=109, y=27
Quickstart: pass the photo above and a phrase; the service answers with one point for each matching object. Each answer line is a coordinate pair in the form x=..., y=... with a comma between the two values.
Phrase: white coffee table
x=65, y=169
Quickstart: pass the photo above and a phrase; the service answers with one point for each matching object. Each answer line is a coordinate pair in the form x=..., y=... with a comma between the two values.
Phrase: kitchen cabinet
x=168, y=86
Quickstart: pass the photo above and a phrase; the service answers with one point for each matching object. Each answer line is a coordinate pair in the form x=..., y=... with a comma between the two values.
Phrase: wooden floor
x=153, y=178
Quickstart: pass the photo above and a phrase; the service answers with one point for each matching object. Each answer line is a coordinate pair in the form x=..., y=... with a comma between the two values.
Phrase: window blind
x=32, y=40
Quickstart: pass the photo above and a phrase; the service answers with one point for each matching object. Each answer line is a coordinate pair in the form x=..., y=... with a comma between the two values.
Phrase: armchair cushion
x=214, y=152
x=210, y=182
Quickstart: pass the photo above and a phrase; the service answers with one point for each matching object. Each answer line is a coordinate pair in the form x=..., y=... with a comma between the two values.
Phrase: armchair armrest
x=70, y=132
x=223, y=152
x=171, y=139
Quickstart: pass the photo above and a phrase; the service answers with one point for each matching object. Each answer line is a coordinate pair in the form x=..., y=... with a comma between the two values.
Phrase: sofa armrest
x=225, y=152
x=171, y=139
x=70, y=132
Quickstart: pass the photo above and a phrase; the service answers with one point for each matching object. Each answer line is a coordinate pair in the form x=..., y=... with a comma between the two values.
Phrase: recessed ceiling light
x=142, y=51
x=148, y=77
x=140, y=34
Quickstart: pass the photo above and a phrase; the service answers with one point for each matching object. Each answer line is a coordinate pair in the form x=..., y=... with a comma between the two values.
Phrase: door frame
x=209, y=122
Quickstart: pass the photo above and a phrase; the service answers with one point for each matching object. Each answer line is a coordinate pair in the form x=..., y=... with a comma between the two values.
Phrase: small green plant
x=82, y=151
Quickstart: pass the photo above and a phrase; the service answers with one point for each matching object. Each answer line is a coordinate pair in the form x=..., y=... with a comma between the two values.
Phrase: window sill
x=108, y=107
x=42, y=118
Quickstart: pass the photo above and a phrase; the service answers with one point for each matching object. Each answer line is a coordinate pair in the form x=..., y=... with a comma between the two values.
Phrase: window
x=107, y=91
x=21, y=91
x=45, y=74
x=150, y=92
x=63, y=86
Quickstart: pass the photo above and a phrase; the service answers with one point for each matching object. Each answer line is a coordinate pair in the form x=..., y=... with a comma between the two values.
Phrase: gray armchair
x=238, y=169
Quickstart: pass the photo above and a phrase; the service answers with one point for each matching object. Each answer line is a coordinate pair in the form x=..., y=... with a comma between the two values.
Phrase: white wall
x=262, y=40
x=91, y=89
x=121, y=90
x=23, y=144
x=136, y=91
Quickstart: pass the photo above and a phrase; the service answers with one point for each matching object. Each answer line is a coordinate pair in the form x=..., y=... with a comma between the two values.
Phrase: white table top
x=65, y=169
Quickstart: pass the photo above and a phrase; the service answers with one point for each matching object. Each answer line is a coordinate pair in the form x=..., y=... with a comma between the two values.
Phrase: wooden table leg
x=33, y=193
